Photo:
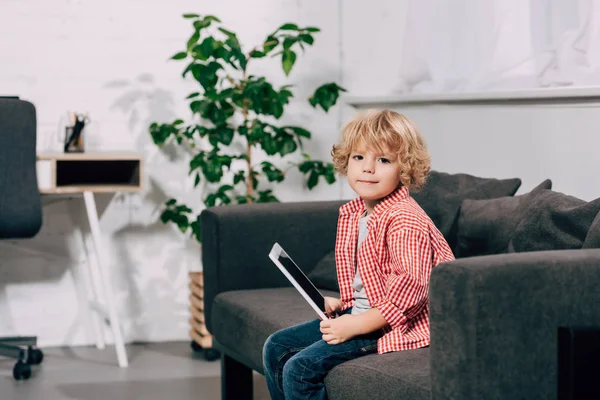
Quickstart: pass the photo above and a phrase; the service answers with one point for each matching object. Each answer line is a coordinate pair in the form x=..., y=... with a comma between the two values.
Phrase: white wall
x=110, y=59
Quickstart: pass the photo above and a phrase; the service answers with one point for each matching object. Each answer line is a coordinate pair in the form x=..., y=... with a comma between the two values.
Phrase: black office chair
x=20, y=205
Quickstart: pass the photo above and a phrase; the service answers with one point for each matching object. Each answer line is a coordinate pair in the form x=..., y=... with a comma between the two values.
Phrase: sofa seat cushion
x=243, y=319
x=397, y=375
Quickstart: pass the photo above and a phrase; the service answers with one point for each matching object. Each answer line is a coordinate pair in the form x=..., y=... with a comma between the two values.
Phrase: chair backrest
x=20, y=202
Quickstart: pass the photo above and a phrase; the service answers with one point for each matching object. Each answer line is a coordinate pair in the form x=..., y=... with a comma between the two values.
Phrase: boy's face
x=373, y=175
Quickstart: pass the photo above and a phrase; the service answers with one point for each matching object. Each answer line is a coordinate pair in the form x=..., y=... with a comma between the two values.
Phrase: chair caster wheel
x=21, y=371
x=211, y=354
x=35, y=356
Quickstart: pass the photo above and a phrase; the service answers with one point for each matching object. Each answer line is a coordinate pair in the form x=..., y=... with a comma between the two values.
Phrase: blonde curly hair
x=386, y=130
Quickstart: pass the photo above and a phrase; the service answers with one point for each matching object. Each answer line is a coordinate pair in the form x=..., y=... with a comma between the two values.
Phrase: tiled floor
x=157, y=371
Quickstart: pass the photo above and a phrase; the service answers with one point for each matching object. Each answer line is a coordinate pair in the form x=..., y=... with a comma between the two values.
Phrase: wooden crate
x=198, y=331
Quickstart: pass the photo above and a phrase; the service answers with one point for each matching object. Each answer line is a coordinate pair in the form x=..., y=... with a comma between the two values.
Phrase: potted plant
x=231, y=107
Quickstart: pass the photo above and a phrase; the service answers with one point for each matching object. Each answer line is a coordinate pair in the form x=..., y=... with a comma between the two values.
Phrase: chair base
x=23, y=349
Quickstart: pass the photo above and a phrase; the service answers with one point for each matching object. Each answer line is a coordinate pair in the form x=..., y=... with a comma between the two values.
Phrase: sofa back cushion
x=486, y=226
x=324, y=275
x=592, y=239
x=554, y=221
x=443, y=194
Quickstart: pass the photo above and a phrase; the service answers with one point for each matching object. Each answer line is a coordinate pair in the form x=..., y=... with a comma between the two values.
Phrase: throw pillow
x=486, y=226
x=324, y=275
x=443, y=194
x=592, y=239
x=554, y=221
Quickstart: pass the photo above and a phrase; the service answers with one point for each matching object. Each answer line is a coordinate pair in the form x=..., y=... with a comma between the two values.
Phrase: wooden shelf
x=69, y=173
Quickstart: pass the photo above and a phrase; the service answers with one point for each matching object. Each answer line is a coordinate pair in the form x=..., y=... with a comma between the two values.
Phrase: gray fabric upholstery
x=494, y=321
x=554, y=221
x=256, y=314
x=236, y=241
x=398, y=375
x=592, y=239
x=443, y=194
x=494, y=318
x=324, y=275
x=486, y=226
x=20, y=202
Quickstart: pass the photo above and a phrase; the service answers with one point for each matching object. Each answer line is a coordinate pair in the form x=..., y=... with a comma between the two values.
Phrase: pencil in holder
x=74, y=140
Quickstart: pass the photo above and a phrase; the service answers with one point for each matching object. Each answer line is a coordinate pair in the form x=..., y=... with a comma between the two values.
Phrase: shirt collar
x=358, y=205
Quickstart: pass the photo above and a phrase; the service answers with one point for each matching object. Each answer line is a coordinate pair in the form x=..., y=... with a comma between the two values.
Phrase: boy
x=386, y=247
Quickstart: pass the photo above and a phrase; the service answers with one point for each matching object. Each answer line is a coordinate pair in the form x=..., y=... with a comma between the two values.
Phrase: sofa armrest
x=494, y=321
x=237, y=239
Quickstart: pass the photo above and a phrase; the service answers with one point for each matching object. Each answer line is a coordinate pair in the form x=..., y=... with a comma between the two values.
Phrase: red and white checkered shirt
x=395, y=261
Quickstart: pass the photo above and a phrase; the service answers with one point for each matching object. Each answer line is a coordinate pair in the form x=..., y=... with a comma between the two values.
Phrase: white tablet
x=300, y=281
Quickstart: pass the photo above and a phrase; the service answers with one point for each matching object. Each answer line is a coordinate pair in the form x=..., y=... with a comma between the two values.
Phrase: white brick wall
x=110, y=58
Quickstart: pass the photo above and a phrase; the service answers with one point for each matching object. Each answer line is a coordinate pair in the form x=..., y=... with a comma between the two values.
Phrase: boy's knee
x=271, y=348
x=267, y=347
x=295, y=368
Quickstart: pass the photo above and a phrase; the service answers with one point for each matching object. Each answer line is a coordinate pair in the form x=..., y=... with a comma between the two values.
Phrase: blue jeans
x=297, y=359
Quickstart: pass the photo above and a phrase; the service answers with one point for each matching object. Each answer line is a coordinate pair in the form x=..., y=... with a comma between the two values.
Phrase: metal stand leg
x=87, y=275
x=92, y=214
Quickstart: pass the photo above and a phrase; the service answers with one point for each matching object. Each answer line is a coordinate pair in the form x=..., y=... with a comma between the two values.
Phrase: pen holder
x=73, y=140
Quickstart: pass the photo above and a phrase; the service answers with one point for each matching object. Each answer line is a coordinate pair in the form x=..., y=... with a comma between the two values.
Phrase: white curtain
x=485, y=45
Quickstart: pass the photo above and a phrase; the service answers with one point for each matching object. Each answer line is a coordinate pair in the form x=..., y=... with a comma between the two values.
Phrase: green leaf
x=288, y=60
x=197, y=180
x=228, y=33
x=201, y=24
x=210, y=200
x=287, y=146
x=205, y=49
x=193, y=40
x=192, y=95
x=257, y=54
x=196, y=231
x=270, y=43
x=221, y=134
x=187, y=69
x=190, y=16
x=330, y=174
x=288, y=42
x=239, y=176
x=206, y=75
x=306, y=38
x=242, y=199
x=179, y=56
x=288, y=27
x=211, y=18
x=312, y=29
x=170, y=202
x=326, y=96
x=299, y=131
x=273, y=173
x=313, y=179
x=266, y=196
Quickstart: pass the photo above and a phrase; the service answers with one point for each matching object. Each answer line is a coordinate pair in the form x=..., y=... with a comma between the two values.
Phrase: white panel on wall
x=532, y=139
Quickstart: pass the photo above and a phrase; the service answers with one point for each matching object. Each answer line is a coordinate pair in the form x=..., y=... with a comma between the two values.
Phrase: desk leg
x=89, y=275
x=92, y=214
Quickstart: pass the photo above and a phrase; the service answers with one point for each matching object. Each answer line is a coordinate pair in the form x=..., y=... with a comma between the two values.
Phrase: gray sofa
x=526, y=265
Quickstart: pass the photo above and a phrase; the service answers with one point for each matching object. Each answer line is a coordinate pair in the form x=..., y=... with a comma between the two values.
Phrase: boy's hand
x=332, y=305
x=339, y=330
